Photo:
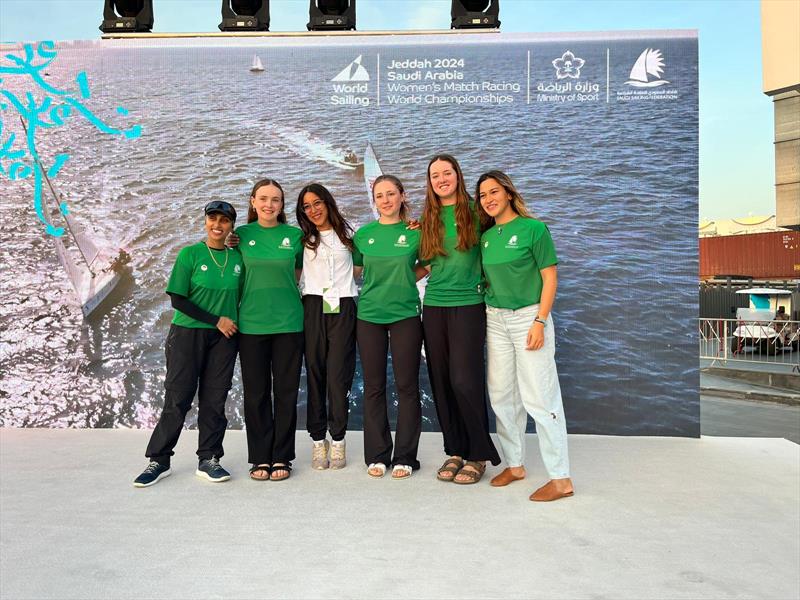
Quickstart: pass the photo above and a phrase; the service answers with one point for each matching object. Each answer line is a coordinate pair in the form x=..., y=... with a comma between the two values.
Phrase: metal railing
x=776, y=342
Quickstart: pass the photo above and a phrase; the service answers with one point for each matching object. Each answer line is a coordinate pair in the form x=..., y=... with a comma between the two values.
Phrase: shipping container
x=773, y=255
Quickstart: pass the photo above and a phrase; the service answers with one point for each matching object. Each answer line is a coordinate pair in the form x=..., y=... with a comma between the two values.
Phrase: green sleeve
x=180, y=280
x=358, y=258
x=298, y=259
x=543, y=249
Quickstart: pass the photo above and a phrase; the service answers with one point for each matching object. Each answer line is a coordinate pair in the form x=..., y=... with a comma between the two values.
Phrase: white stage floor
x=651, y=518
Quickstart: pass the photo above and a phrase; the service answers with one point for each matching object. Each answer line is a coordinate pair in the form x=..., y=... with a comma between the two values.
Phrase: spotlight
x=475, y=14
x=127, y=15
x=245, y=15
x=331, y=15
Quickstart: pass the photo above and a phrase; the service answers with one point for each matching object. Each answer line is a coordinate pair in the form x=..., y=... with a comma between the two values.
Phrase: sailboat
x=650, y=62
x=256, y=67
x=92, y=264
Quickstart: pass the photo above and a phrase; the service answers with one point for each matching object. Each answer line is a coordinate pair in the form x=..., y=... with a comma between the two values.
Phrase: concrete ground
x=651, y=518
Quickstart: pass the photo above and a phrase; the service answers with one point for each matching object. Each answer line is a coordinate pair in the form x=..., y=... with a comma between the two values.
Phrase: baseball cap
x=223, y=208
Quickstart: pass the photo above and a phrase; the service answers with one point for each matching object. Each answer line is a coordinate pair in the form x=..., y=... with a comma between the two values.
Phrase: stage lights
x=245, y=15
x=475, y=14
x=331, y=15
x=127, y=15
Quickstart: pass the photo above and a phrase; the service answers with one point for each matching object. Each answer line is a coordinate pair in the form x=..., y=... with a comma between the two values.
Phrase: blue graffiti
x=54, y=109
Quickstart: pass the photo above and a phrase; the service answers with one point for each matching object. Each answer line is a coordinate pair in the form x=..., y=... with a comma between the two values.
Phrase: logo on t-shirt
x=371, y=241
x=512, y=242
x=252, y=242
x=401, y=242
x=237, y=269
x=286, y=244
x=486, y=244
x=203, y=268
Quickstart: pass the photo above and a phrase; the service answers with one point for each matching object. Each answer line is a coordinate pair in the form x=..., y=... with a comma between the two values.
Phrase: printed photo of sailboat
x=256, y=67
x=650, y=62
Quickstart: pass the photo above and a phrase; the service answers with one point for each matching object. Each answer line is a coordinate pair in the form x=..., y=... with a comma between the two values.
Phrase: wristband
x=538, y=320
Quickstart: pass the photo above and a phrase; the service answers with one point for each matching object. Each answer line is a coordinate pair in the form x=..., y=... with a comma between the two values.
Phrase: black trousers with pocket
x=201, y=358
x=374, y=340
x=330, y=351
x=455, y=337
x=271, y=366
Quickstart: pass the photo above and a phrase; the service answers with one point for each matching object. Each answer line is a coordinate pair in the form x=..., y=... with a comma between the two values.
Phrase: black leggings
x=405, y=338
x=270, y=368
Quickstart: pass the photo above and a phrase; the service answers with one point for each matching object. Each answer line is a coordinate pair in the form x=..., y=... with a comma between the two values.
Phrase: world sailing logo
x=355, y=71
x=650, y=63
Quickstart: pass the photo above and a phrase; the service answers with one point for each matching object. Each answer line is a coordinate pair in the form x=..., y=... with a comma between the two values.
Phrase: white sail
x=256, y=66
x=372, y=169
x=639, y=70
x=84, y=238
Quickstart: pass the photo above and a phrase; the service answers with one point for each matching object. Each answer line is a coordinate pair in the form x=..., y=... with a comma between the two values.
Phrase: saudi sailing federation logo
x=649, y=63
x=355, y=71
x=568, y=65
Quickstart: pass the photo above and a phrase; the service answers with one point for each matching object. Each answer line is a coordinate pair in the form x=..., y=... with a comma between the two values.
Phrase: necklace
x=222, y=266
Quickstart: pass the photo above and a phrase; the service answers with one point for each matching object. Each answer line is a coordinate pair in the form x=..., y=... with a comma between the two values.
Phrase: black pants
x=454, y=343
x=330, y=364
x=405, y=338
x=270, y=369
x=203, y=356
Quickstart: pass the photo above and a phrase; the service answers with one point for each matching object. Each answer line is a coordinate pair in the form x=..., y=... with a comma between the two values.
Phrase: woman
x=271, y=331
x=388, y=313
x=329, y=322
x=519, y=261
x=454, y=322
x=200, y=349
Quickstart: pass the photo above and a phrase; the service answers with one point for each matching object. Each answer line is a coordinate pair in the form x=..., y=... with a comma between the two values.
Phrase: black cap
x=223, y=208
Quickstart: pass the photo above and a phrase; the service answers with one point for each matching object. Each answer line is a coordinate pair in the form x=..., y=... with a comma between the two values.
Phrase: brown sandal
x=474, y=476
x=452, y=466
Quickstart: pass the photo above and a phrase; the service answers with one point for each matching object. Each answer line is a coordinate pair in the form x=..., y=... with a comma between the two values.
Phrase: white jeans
x=524, y=381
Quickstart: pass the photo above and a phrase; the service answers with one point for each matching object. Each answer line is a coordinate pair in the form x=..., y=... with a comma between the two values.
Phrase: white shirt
x=330, y=266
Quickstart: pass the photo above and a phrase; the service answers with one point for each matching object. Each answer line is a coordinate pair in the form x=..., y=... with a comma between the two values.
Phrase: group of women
x=492, y=283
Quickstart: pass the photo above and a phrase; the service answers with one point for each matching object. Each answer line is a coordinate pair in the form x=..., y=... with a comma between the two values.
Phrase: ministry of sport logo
x=646, y=75
x=567, y=86
x=401, y=242
x=351, y=84
x=568, y=65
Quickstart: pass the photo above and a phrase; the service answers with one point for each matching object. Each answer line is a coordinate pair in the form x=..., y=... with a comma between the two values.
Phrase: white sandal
x=380, y=466
x=401, y=469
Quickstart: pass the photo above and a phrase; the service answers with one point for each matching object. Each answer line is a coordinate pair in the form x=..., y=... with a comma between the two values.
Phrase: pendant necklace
x=222, y=266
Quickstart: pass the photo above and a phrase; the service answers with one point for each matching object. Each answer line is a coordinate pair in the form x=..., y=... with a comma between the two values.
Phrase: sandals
x=380, y=467
x=473, y=476
x=451, y=466
x=280, y=467
x=262, y=467
x=402, y=471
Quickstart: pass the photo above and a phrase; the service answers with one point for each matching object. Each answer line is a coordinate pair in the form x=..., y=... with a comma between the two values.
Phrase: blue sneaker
x=152, y=474
x=209, y=468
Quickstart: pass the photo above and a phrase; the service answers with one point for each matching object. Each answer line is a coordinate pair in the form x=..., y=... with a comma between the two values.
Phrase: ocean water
x=616, y=181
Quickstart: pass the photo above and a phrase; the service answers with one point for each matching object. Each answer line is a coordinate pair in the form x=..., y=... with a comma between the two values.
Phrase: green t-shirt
x=388, y=254
x=455, y=279
x=512, y=255
x=196, y=276
x=270, y=297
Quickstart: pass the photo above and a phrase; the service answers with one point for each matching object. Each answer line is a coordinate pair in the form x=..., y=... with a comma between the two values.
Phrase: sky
x=737, y=166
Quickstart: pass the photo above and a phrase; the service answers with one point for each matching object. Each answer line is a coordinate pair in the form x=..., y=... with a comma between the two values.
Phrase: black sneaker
x=152, y=474
x=210, y=469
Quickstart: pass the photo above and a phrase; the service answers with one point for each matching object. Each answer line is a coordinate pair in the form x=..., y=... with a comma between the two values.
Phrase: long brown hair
x=311, y=237
x=517, y=203
x=431, y=242
x=251, y=212
x=399, y=185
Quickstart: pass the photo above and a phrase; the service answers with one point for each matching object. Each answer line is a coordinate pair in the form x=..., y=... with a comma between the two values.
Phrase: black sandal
x=263, y=467
x=279, y=467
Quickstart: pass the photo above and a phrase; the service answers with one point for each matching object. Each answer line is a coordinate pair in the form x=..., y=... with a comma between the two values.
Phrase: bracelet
x=538, y=320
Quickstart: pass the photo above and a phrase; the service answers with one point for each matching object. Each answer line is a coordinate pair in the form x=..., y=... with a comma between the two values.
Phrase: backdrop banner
x=120, y=143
